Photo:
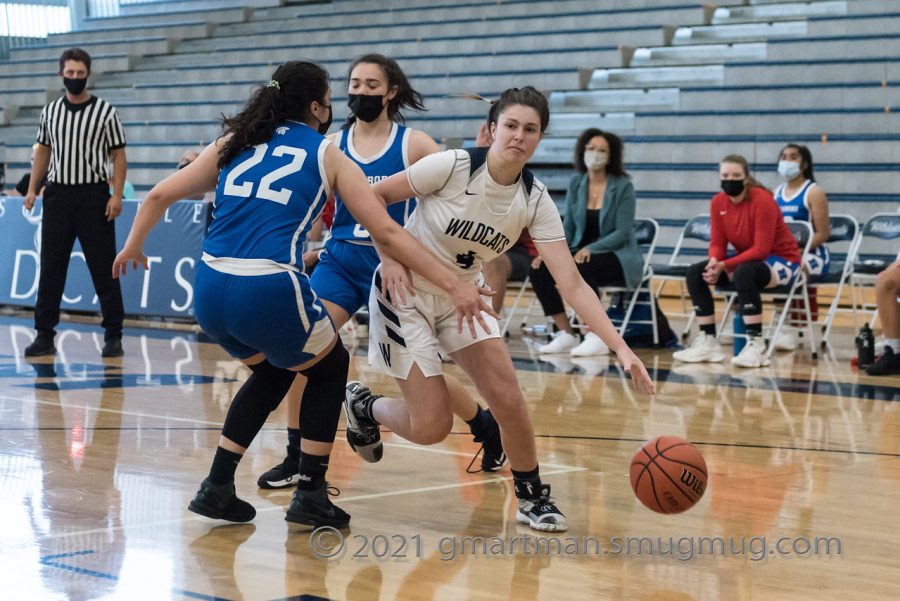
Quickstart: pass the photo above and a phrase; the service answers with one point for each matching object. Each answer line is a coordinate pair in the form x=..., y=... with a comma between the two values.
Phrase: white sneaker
x=562, y=342
x=753, y=354
x=786, y=341
x=592, y=346
x=703, y=348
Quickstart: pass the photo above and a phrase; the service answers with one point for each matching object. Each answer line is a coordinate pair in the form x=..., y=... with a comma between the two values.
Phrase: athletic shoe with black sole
x=314, y=508
x=220, y=502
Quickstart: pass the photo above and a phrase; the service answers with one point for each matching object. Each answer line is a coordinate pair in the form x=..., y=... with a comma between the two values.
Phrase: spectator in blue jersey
x=375, y=139
x=273, y=171
x=802, y=199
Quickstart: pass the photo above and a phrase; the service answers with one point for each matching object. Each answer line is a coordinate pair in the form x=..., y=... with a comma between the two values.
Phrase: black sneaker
x=314, y=508
x=220, y=502
x=541, y=513
x=112, y=347
x=363, y=435
x=888, y=364
x=493, y=458
x=41, y=347
x=282, y=475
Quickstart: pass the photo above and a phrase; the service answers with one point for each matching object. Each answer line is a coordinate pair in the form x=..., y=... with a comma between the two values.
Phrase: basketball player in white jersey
x=472, y=207
x=374, y=139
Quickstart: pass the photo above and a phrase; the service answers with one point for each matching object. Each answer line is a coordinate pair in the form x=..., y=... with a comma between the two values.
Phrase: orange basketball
x=668, y=474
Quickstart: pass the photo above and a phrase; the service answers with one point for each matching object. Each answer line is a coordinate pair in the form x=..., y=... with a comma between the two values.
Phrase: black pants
x=71, y=212
x=602, y=270
x=749, y=279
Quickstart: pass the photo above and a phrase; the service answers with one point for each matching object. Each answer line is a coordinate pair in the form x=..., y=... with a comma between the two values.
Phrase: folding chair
x=844, y=229
x=526, y=283
x=697, y=228
x=874, y=253
x=802, y=232
x=647, y=233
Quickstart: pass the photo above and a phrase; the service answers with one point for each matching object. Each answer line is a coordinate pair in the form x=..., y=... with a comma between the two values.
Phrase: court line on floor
x=218, y=425
x=274, y=508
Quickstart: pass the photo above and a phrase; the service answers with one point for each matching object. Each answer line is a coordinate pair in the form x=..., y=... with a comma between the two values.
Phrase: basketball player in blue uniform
x=375, y=140
x=800, y=198
x=275, y=171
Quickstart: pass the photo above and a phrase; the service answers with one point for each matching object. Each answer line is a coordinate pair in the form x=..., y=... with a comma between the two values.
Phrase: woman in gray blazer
x=599, y=220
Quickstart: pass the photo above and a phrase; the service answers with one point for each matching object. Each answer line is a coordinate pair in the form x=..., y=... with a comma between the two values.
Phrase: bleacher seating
x=684, y=84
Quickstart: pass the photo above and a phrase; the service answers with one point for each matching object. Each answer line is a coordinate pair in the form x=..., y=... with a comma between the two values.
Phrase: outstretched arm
x=579, y=295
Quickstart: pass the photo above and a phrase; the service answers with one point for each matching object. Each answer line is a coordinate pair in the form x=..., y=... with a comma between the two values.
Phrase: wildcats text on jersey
x=465, y=229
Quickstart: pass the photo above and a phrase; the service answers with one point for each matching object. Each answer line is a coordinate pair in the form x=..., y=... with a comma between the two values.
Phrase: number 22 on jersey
x=266, y=190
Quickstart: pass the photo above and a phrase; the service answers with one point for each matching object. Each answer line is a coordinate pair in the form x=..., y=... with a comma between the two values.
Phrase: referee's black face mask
x=74, y=85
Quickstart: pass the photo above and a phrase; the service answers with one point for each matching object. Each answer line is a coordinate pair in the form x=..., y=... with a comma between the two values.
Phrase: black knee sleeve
x=749, y=279
x=257, y=398
x=701, y=297
x=320, y=408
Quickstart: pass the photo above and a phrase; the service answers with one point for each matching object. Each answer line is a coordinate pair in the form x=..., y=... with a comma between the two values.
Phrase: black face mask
x=733, y=187
x=323, y=126
x=75, y=86
x=366, y=107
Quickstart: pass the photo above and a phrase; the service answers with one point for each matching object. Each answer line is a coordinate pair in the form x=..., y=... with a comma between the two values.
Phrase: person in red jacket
x=745, y=215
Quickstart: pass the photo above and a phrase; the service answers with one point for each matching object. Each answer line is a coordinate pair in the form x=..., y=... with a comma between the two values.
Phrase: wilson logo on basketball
x=690, y=480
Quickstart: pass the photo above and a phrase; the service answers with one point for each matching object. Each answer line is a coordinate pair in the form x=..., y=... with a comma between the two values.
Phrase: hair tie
x=273, y=83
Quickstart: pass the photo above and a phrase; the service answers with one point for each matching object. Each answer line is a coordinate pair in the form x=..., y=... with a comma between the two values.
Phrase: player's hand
x=639, y=376
x=536, y=262
x=310, y=259
x=29, y=200
x=713, y=270
x=128, y=255
x=113, y=207
x=582, y=256
x=468, y=300
x=396, y=281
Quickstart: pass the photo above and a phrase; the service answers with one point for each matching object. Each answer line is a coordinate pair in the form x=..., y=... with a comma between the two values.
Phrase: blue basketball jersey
x=795, y=208
x=269, y=196
x=393, y=158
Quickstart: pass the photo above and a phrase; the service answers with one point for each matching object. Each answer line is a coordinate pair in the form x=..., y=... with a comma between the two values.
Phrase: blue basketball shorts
x=343, y=275
x=277, y=314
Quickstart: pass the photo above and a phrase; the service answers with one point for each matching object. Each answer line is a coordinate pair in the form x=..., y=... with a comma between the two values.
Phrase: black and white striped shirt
x=80, y=137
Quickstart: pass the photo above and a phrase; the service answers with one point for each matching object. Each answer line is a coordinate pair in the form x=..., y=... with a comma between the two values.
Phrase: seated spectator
x=802, y=199
x=599, y=225
x=745, y=215
x=887, y=289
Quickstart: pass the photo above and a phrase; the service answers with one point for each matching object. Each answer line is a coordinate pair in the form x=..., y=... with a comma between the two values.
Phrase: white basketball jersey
x=466, y=218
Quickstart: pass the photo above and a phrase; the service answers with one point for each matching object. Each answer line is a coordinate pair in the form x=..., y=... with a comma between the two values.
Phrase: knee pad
x=320, y=407
x=749, y=279
x=258, y=397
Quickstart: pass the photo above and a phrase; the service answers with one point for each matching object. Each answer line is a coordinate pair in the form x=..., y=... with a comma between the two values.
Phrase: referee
x=77, y=134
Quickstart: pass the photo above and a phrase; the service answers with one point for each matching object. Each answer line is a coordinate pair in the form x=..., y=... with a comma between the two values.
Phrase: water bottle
x=865, y=347
x=740, y=334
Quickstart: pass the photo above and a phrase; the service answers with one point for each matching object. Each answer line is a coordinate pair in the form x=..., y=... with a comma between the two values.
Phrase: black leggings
x=749, y=280
x=602, y=270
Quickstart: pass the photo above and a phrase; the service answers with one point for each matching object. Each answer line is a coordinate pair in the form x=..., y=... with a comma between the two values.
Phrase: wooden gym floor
x=98, y=460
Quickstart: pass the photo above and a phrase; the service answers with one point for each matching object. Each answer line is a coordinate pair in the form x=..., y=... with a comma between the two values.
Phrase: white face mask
x=594, y=159
x=788, y=169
